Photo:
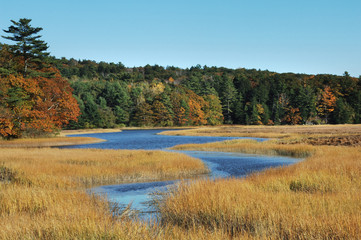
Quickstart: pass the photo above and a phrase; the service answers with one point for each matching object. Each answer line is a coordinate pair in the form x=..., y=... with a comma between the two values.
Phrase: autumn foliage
x=35, y=105
x=327, y=103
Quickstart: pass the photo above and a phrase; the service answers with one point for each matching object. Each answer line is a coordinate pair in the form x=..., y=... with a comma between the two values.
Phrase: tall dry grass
x=42, y=195
x=88, y=131
x=318, y=198
x=285, y=131
x=42, y=191
x=251, y=147
x=89, y=167
x=47, y=142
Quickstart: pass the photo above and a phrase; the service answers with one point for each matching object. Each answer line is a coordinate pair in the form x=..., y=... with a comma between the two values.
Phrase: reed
x=252, y=147
x=42, y=191
x=89, y=131
x=47, y=142
x=285, y=131
x=91, y=167
x=318, y=198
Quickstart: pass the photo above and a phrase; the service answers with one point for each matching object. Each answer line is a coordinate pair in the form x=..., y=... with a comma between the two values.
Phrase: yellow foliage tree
x=326, y=103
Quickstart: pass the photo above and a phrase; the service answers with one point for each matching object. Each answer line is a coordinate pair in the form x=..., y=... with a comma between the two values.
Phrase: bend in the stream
x=221, y=164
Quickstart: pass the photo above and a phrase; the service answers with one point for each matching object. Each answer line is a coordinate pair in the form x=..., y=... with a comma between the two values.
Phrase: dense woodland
x=171, y=96
x=40, y=93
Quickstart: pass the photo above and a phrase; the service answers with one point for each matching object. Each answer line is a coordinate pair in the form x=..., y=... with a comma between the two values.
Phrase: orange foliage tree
x=292, y=116
x=196, y=106
x=180, y=108
x=326, y=103
x=35, y=104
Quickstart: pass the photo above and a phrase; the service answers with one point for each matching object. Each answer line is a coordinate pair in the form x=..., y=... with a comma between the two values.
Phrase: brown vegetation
x=267, y=131
x=335, y=135
x=42, y=190
x=88, y=131
x=318, y=198
x=89, y=167
x=346, y=140
x=47, y=142
x=251, y=147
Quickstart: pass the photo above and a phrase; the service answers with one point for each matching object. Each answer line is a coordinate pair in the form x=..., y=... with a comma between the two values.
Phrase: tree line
x=108, y=104
x=40, y=93
x=246, y=96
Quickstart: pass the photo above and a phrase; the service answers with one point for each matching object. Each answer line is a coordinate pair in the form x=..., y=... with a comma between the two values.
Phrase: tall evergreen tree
x=228, y=96
x=343, y=113
x=306, y=102
x=238, y=114
x=28, y=45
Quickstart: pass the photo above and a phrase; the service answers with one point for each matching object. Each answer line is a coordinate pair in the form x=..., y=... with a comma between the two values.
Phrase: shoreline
x=114, y=130
x=48, y=142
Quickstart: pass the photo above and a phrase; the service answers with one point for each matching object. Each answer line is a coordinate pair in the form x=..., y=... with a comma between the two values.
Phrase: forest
x=171, y=96
x=40, y=93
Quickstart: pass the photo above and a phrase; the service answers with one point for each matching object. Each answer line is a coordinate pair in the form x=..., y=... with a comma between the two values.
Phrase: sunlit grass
x=42, y=190
x=94, y=166
x=251, y=147
x=285, y=131
x=47, y=142
x=89, y=131
x=318, y=198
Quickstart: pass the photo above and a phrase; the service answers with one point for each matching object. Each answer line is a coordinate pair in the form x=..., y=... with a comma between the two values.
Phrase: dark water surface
x=221, y=164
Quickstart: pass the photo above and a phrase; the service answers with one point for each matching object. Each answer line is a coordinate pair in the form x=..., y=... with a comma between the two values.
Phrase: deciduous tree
x=36, y=105
x=326, y=103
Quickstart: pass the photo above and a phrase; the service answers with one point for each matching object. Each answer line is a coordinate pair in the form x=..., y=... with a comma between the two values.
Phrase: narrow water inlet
x=221, y=164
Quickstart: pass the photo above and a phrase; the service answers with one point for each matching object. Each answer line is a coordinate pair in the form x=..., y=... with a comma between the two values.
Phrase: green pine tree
x=228, y=96
x=28, y=45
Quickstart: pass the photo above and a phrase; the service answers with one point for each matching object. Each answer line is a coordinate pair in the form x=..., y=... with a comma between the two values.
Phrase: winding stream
x=221, y=164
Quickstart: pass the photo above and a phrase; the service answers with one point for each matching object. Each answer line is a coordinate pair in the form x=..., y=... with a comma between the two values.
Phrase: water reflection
x=221, y=164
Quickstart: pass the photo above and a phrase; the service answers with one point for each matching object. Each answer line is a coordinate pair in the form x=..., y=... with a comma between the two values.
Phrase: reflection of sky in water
x=221, y=164
x=145, y=139
x=135, y=193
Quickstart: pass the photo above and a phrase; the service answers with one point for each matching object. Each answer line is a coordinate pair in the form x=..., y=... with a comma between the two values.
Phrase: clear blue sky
x=318, y=36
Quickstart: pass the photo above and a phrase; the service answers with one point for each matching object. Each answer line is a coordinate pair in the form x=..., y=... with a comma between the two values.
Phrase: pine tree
x=343, y=113
x=238, y=113
x=28, y=45
x=306, y=103
x=228, y=96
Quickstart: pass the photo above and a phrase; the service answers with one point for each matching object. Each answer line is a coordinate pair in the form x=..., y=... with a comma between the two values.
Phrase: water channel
x=221, y=164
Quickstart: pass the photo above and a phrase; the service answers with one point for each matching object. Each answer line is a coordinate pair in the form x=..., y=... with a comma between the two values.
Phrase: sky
x=309, y=36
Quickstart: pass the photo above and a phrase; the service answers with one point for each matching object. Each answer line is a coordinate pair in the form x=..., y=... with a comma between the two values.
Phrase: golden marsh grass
x=251, y=147
x=94, y=166
x=47, y=142
x=318, y=198
x=285, y=131
x=89, y=131
x=42, y=190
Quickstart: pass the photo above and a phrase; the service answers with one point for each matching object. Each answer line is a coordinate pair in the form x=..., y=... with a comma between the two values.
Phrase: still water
x=221, y=164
